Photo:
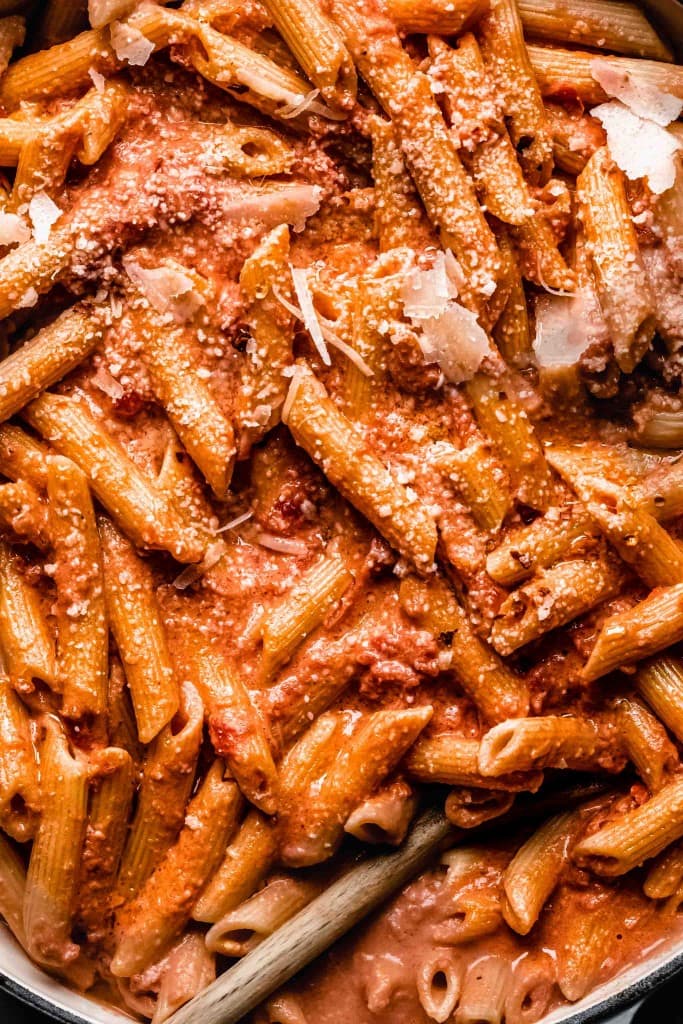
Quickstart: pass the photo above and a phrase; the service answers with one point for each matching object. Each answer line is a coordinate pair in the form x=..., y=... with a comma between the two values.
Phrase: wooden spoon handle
x=316, y=927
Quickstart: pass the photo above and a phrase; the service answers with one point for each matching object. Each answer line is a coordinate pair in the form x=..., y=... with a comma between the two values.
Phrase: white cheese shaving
x=561, y=335
x=647, y=101
x=307, y=105
x=168, y=290
x=28, y=299
x=233, y=523
x=101, y=12
x=97, y=79
x=328, y=334
x=283, y=545
x=298, y=373
x=447, y=333
x=129, y=44
x=13, y=229
x=106, y=382
x=285, y=204
x=310, y=317
x=641, y=148
x=43, y=213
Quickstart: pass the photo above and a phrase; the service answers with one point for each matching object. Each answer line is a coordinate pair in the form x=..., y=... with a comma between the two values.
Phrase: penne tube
x=334, y=443
x=200, y=423
x=312, y=827
x=52, y=877
x=637, y=633
x=557, y=69
x=646, y=743
x=12, y=890
x=662, y=429
x=550, y=741
x=576, y=137
x=483, y=992
x=244, y=928
x=562, y=532
x=502, y=418
x=479, y=476
x=536, y=867
x=190, y=968
x=137, y=626
x=621, y=27
x=474, y=915
x=623, y=289
x=25, y=636
x=264, y=387
x=399, y=216
x=445, y=17
x=439, y=982
x=469, y=807
x=148, y=925
x=121, y=726
x=111, y=798
x=303, y=609
x=60, y=21
x=317, y=45
x=497, y=691
x=20, y=800
x=237, y=730
x=531, y=988
x=167, y=780
x=130, y=498
x=552, y=598
x=511, y=331
x=49, y=356
x=586, y=939
x=660, y=683
x=62, y=68
x=12, y=35
x=660, y=492
x=23, y=457
x=454, y=760
x=502, y=44
x=43, y=164
x=635, y=836
x=385, y=816
x=248, y=858
x=666, y=874
x=82, y=634
x=23, y=512
x=428, y=150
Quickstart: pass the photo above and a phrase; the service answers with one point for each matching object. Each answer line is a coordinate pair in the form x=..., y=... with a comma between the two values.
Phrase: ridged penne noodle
x=24, y=513
x=498, y=692
x=60, y=21
x=62, y=68
x=552, y=598
x=167, y=780
x=135, y=619
x=646, y=743
x=623, y=289
x=502, y=43
x=23, y=457
x=439, y=980
x=385, y=816
x=550, y=741
x=200, y=423
x=665, y=874
x=479, y=476
x=511, y=331
x=107, y=827
x=473, y=916
x=620, y=27
x=585, y=939
x=52, y=878
x=535, y=869
x=313, y=828
x=443, y=185
x=82, y=635
x=242, y=929
x=576, y=136
x=121, y=726
x=637, y=633
x=553, y=67
x=504, y=420
x=264, y=386
x=562, y=532
x=12, y=34
x=42, y=165
x=148, y=925
x=116, y=481
x=302, y=611
x=483, y=992
x=454, y=760
x=447, y=17
x=248, y=858
x=190, y=967
x=236, y=729
x=25, y=636
x=318, y=48
x=660, y=682
x=399, y=215
x=12, y=889
x=635, y=836
x=335, y=443
x=530, y=989
x=20, y=800
x=660, y=492
x=54, y=352
x=662, y=429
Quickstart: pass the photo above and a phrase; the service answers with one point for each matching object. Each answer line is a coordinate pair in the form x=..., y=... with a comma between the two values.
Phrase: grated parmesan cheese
x=168, y=289
x=642, y=149
x=561, y=335
x=129, y=44
x=13, y=229
x=647, y=101
x=101, y=12
x=43, y=213
x=308, y=313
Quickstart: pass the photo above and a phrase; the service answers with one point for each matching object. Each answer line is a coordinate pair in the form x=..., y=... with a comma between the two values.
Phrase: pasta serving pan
x=151, y=509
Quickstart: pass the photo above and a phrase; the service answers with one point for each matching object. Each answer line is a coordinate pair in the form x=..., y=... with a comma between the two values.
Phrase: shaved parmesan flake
x=43, y=213
x=647, y=101
x=328, y=334
x=307, y=105
x=101, y=12
x=310, y=317
x=235, y=522
x=107, y=383
x=285, y=204
x=168, y=289
x=561, y=335
x=13, y=229
x=193, y=573
x=298, y=373
x=129, y=44
x=97, y=79
x=283, y=545
x=447, y=333
x=642, y=149
x=28, y=299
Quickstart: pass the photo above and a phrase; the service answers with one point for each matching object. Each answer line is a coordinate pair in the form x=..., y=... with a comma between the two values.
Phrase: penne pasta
x=399, y=216
x=23, y=513
x=439, y=981
x=385, y=816
x=447, y=17
x=12, y=888
x=25, y=636
x=556, y=68
x=646, y=743
x=244, y=928
x=483, y=992
x=620, y=27
x=660, y=683
x=551, y=741
x=20, y=798
x=190, y=967
x=562, y=532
